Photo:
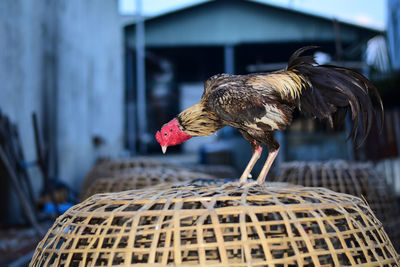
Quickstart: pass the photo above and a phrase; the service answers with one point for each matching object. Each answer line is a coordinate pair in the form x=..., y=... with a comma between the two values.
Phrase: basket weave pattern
x=115, y=168
x=358, y=179
x=216, y=226
x=141, y=178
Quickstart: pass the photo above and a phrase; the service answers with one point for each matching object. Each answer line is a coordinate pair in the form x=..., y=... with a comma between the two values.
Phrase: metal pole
x=229, y=59
x=229, y=68
x=141, y=80
x=131, y=108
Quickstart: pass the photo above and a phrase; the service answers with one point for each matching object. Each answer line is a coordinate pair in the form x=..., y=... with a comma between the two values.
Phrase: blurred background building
x=102, y=80
x=185, y=47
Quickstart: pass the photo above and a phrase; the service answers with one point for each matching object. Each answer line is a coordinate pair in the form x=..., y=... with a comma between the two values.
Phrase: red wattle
x=158, y=138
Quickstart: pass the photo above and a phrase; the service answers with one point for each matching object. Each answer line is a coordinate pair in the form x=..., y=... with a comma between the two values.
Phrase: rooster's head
x=171, y=134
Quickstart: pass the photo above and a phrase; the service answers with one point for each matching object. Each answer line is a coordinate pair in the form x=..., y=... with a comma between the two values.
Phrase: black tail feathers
x=331, y=88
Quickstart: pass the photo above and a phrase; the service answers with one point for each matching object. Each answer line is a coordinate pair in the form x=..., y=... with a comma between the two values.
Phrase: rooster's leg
x=257, y=149
x=264, y=172
x=246, y=173
x=267, y=166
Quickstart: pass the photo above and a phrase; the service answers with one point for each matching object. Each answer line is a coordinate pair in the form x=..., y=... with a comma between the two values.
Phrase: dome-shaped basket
x=216, y=226
x=142, y=178
x=115, y=168
x=220, y=171
x=358, y=179
x=121, y=165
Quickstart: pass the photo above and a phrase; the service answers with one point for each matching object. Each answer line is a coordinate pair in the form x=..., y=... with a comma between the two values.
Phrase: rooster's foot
x=251, y=184
x=233, y=184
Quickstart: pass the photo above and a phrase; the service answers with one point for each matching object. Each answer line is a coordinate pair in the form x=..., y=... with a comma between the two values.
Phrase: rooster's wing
x=245, y=107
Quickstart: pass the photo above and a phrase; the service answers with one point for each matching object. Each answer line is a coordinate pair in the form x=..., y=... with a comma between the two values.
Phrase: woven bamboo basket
x=115, y=168
x=216, y=226
x=358, y=179
x=142, y=178
x=221, y=171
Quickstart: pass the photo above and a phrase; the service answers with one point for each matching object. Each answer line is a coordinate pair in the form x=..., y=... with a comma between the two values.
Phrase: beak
x=164, y=149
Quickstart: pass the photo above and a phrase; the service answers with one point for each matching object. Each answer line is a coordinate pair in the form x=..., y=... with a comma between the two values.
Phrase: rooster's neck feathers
x=197, y=120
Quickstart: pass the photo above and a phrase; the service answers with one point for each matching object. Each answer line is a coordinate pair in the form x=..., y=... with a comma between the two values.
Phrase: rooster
x=258, y=104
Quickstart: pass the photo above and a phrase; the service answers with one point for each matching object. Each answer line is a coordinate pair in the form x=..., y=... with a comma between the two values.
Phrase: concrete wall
x=64, y=60
x=22, y=49
x=90, y=84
